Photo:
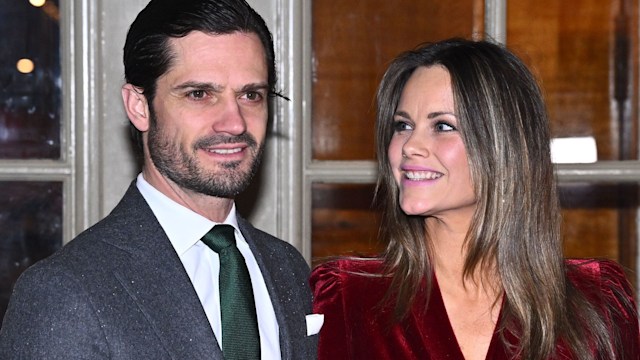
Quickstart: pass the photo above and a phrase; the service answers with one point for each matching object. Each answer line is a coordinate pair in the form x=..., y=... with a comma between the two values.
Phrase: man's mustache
x=218, y=139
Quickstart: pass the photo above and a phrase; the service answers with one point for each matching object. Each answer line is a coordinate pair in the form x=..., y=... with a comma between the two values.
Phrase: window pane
x=353, y=42
x=30, y=84
x=30, y=228
x=343, y=221
x=599, y=220
x=585, y=53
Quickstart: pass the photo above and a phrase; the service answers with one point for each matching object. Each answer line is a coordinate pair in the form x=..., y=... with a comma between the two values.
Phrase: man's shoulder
x=94, y=248
x=272, y=250
x=262, y=238
x=84, y=252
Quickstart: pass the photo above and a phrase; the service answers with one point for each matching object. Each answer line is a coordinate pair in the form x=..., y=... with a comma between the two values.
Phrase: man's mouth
x=225, y=151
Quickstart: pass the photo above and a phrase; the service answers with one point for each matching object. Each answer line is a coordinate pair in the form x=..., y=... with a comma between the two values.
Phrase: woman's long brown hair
x=515, y=231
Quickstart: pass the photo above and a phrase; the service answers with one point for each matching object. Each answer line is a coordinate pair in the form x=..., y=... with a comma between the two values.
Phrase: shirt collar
x=183, y=227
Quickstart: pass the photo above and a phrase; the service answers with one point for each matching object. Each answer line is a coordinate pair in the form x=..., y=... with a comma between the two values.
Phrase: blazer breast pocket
x=314, y=323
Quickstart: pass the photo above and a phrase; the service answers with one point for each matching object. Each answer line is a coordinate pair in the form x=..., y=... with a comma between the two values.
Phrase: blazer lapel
x=285, y=306
x=157, y=282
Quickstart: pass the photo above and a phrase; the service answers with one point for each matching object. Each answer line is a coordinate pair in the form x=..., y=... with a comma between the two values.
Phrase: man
x=142, y=283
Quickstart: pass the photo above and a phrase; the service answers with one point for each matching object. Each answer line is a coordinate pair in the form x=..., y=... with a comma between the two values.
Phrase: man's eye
x=197, y=94
x=253, y=96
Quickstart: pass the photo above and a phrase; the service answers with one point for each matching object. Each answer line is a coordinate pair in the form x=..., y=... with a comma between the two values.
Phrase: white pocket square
x=314, y=323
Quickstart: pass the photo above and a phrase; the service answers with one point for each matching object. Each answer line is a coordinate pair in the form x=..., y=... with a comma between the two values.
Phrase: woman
x=474, y=267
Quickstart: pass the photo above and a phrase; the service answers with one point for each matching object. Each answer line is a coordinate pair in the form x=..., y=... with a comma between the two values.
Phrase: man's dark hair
x=147, y=55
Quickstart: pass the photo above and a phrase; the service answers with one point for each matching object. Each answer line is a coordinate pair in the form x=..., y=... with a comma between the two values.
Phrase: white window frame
x=364, y=171
x=96, y=165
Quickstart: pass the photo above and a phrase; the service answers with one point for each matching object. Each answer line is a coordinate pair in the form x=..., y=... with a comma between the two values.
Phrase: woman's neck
x=449, y=249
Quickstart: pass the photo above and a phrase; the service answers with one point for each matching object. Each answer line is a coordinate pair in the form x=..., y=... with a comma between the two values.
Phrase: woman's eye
x=399, y=126
x=442, y=126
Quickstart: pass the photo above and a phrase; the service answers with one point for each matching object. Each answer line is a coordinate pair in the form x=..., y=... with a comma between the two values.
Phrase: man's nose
x=231, y=120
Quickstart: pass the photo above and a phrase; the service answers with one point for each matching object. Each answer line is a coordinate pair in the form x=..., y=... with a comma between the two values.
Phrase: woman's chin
x=415, y=209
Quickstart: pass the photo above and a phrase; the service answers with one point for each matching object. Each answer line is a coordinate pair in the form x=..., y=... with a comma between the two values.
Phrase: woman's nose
x=416, y=145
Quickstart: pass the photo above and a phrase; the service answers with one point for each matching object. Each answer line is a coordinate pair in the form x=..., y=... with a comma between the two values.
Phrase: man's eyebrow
x=198, y=85
x=254, y=87
x=218, y=88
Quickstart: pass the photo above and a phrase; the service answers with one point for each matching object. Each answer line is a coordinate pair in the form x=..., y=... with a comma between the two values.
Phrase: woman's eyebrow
x=435, y=114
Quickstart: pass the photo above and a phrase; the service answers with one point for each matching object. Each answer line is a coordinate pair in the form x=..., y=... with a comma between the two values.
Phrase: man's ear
x=136, y=106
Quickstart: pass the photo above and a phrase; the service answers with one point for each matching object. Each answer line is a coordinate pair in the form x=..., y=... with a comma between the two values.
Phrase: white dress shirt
x=185, y=228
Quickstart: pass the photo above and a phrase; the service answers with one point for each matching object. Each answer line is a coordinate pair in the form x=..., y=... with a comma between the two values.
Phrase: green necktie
x=240, y=336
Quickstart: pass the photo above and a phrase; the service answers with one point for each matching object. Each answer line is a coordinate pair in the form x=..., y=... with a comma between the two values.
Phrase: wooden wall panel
x=343, y=221
x=585, y=55
x=584, y=52
x=353, y=41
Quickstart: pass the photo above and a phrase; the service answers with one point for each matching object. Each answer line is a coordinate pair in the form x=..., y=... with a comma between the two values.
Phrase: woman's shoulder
x=369, y=265
x=604, y=284
x=603, y=281
x=601, y=272
x=348, y=274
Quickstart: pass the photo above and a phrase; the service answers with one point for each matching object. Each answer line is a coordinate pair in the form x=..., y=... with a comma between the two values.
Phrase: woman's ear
x=136, y=106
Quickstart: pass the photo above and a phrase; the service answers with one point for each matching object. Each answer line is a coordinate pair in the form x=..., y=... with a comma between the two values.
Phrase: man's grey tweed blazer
x=119, y=291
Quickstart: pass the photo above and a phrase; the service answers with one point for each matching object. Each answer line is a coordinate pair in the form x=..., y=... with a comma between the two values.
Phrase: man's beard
x=182, y=166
